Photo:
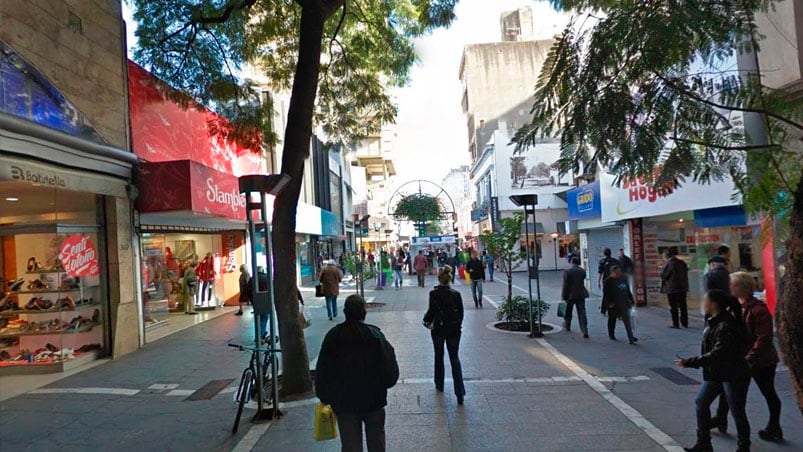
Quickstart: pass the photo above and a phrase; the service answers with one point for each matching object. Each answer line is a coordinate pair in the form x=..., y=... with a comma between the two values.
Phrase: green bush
x=351, y=262
x=515, y=310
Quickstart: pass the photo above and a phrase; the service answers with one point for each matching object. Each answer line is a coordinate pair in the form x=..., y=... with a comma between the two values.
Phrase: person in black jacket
x=617, y=301
x=445, y=318
x=476, y=272
x=717, y=277
x=675, y=284
x=725, y=370
x=574, y=293
x=356, y=366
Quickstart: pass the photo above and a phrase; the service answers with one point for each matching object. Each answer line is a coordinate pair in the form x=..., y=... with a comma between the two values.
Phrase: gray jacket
x=675, y=276
x=574, y=284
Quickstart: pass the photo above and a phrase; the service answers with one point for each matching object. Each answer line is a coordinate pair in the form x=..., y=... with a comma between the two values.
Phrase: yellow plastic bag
x=324, y=425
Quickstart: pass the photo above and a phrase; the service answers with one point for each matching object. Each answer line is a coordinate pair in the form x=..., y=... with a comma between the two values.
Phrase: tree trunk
x=790, y=309
x=295, y=361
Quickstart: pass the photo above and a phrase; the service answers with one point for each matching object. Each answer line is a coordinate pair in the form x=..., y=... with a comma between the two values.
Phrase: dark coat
x=356, y=366
x=675, y=276
x=616, y=295
x=475, y=269
x=605, y=264
x=574, y=284
x=717, y=278
x=445, y=311
x=757, y=319
x=722, y=351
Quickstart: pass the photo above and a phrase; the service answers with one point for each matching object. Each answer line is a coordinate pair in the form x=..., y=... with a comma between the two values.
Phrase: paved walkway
x=558, y=394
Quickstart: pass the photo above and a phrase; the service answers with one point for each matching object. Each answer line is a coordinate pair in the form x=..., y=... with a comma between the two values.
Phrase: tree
x=517, y=168
x=338, y=55
x=504, y=245
x=636, y=87
x=540, y=170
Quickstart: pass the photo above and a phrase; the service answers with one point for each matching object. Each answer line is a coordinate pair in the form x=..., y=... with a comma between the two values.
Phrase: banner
x=78, y=256
x=636, y=198
x=584, y=202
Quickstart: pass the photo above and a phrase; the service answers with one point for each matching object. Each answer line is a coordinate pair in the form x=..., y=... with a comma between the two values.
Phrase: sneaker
x=240, y=312
x=771, y=433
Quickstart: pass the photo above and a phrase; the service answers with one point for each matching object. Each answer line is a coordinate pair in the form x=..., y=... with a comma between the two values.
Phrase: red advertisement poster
x=231, y=243
x=78, y=256
x=639, y=282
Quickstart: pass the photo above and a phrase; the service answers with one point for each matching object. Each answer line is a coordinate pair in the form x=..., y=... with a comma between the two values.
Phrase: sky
x=432, y=135
x=431, y=127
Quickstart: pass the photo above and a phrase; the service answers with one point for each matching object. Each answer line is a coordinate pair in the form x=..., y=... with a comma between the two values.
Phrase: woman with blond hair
x=445, y=318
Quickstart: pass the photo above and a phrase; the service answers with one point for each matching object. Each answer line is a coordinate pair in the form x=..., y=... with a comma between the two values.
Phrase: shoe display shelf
x=72, y=328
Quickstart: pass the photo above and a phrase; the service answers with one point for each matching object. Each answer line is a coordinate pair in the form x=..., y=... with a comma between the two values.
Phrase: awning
x=187, y=186
x=720, y=216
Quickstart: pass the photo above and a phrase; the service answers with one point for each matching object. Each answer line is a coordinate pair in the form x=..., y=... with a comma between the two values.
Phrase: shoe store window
x=53, y=313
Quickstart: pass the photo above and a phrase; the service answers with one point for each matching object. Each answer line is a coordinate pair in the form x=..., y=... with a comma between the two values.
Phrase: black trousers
x=453, y=347
x=677, y=302
x=581, y=315
x=624, y=313
x=765, y=380
x=350, y=427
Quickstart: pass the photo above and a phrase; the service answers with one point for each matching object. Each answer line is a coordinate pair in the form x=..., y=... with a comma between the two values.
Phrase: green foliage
x=504, y=246
x=203, y=47
x=351, y=262
x=516, y=310
x=418, y=208
x=625, y=88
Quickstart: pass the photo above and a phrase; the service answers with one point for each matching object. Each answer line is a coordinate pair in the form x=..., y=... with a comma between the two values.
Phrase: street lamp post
x=360, y=264
x=255, y=188
x=555, y=236
x=529, y=202
x=387, y=239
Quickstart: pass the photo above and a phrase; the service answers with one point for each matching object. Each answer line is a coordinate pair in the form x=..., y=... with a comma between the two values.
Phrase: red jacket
x=205, y=270
x=761, y=349
x=420, y=262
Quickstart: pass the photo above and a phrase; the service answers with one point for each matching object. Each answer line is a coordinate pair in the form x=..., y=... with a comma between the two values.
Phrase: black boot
x=719, y=423
x=703, y=443
x=744, y=446
x=771, y=433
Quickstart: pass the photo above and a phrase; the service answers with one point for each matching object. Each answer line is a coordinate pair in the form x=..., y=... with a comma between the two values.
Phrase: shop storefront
x=65, y=266
x=594, y=235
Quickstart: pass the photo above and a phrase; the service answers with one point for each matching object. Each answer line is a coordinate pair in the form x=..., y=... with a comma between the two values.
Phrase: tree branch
x=710, y=103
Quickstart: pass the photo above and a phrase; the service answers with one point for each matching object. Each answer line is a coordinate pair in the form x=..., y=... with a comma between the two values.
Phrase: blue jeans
x=331, y=305
x=452, y=346
x=263, y=325
x=476, y=292
x=491, y=272
x=735, y=393
x=397, y=278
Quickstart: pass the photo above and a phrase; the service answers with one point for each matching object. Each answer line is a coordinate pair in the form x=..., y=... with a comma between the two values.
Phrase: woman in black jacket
x=724, y=370
x=617, y=301
x=445, y=318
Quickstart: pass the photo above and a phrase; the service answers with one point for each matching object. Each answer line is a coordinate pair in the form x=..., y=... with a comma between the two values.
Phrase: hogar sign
x=639, y=189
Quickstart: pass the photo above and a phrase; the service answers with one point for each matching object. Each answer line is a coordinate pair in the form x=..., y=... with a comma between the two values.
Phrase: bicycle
x=247, y=390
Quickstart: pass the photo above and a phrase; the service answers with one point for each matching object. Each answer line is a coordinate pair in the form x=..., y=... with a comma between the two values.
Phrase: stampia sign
x=231, y=199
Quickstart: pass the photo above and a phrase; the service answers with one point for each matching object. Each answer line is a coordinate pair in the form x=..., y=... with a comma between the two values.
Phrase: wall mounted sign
x=78, y=256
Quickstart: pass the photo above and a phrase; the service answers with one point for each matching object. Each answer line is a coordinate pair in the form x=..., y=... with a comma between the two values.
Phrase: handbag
x=562, y=309
x=318, y=290
x=324, y=425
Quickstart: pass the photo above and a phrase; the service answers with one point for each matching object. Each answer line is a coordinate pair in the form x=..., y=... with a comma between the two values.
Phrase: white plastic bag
x=633, y=318
x=305, y=314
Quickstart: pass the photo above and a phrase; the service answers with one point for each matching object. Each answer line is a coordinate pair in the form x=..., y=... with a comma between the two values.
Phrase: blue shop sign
x=584, y=202
x=330, y=225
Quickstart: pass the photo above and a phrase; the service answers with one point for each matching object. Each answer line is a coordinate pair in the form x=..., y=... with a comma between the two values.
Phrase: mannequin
x=206, y=275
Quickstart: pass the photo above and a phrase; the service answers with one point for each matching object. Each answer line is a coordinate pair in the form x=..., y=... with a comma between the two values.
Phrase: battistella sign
x=636, y=198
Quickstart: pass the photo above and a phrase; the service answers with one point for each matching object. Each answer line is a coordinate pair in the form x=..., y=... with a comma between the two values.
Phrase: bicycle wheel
x=267, y=380
x=243, y=395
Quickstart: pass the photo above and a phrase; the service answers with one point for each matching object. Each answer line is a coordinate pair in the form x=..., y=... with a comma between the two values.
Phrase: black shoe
x=685, y=325
x=439, y=389
x=633, y=340
x=240, y=312
x=744, y=446
x=771, y=433
x=585, y=335
x=720, y=423
x=460, y=400
x=191, y=313
x=612, y=337
x=700, y=446
x=673, y=327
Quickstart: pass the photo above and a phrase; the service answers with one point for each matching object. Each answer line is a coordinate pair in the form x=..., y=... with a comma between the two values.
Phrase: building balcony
x=376, y=165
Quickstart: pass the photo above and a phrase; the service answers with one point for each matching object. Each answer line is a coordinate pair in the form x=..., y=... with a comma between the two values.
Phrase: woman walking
x=445, y=318
x=330, y=278
x=245, y=298
x=724, y=370
x=617, y=301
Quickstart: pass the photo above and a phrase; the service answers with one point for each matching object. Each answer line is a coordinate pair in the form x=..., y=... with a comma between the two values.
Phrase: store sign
x=231, y=243
x=584, y=202
x=637, y=198
x=637, y=243
x=78, y=256
x=435, y=240
x=495, y=213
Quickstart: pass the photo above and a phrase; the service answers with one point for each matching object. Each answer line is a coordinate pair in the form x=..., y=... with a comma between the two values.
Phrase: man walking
x=476, y=273
x=420, y=265
x=489, y=264
x=574, y=293
x=625, y=262
x=605, y=265
x=356, y=366
x=330, y=278
x=675, y=284
x=717, y=276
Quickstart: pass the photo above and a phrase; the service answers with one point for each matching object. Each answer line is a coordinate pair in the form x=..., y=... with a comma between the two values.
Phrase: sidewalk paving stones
x=522, y=394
